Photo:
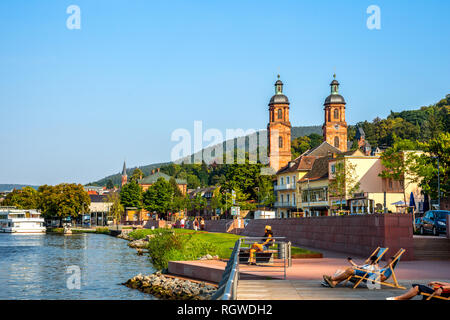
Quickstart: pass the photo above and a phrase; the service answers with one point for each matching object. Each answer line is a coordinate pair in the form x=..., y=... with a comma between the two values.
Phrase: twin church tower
x=279, y=128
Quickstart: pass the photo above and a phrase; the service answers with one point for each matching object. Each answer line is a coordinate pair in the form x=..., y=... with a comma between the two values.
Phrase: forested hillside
x=415, y=125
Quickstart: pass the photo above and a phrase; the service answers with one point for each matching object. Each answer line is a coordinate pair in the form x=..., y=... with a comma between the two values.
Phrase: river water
x=79, y=266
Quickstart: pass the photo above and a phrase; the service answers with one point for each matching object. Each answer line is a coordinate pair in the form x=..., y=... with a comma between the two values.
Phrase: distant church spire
x=124, y=174
x=124, y=171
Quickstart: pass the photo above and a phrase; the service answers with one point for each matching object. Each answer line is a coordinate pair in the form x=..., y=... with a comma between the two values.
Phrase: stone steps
x=431, y=248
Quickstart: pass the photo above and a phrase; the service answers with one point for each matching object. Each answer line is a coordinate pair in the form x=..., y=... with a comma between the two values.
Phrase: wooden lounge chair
x=430, y=296
x=379, y=252
x=387, y=271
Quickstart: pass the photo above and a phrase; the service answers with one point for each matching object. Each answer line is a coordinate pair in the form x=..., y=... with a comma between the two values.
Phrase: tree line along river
x=78, y=267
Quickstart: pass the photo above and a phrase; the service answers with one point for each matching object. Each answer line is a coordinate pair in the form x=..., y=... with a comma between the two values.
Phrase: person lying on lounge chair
x=435, y=288
x=372, y=267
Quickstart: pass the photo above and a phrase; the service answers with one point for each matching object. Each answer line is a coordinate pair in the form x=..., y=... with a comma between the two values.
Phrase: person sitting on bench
x=259, y=247
x=434, y=288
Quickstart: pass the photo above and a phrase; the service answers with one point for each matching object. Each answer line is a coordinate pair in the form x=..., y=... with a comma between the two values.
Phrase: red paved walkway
x=314, y=269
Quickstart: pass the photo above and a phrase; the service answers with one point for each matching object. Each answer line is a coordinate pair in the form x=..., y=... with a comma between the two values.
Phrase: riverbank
x=171, y=288
x=222, y=242
x=100, y=230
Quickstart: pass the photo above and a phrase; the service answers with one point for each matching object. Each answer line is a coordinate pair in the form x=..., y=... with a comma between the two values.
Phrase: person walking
x=182, y=223
x=202, y=224
x=196, y=224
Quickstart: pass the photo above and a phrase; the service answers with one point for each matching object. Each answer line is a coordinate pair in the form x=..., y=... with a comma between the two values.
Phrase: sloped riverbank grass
x=183, y=245
x=102, y=230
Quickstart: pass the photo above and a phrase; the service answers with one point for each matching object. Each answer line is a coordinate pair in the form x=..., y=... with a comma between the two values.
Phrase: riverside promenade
x=304, y=276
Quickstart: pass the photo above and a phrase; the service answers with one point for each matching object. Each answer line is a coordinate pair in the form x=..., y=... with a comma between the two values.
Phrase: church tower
x=335, y=128
x=279, y=129
x=124, y=174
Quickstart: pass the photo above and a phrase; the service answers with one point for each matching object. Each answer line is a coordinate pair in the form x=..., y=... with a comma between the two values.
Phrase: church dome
x=279, y=98
x=335, y=99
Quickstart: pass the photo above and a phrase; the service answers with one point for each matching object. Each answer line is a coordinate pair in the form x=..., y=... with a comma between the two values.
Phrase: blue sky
x=75, y=103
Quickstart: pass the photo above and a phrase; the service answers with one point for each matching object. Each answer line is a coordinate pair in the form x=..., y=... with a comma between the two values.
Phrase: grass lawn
x=223, y=241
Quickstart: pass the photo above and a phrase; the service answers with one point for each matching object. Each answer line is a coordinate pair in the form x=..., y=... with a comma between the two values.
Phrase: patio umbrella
x=412, y=203
x=398, y=203
x=426, y=204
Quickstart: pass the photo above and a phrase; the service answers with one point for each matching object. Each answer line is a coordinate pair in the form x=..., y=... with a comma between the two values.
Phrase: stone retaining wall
x=230, y=226
x=356, y=234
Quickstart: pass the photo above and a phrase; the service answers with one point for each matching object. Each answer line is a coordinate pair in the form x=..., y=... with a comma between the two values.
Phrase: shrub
x=168, y=246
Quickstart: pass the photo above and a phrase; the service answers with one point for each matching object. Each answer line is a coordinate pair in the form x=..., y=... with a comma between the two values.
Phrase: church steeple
x=279, y=128
x=124, y=174
x=335, y=127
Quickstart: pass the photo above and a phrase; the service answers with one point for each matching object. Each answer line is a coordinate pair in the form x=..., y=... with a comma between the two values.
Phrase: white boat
x=21, y=221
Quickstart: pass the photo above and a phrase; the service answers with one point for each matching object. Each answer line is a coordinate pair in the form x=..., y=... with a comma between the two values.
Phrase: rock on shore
x=169, y=288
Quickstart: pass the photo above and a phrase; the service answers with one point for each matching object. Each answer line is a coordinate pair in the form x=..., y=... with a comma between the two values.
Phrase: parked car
x=434, y=221
x=418, y=222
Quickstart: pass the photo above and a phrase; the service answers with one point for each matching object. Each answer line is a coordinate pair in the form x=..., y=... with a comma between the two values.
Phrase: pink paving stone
x=310, y=269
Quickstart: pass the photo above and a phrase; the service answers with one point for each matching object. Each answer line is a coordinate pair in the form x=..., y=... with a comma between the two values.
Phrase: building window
x=333, y=168
x=390, y=184
x=280, y=114
x=336, y=142
x=287, y=197
x=282, y=181
x=336, y=113
x=280, y=142
x=272, y=114
x=287, y=180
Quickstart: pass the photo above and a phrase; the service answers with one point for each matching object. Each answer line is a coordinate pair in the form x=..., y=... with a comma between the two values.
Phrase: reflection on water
x=33, y=266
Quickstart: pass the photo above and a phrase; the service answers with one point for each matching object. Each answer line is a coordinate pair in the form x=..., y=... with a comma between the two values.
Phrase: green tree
x=300, y=145
x=158, y=198
x=26, y=198
x=116, y=209
x=265, y=194
x=343, y=181
x=109, y=184
x=176, y=190
x=193, y=182
x=398, y=164
x=137, y=175
x=131, y=195
x=216, y=200
x=198, y=203
x=425, y=169
x=63, y=201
